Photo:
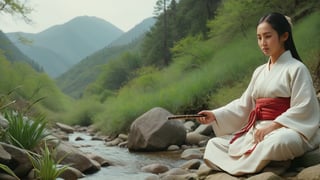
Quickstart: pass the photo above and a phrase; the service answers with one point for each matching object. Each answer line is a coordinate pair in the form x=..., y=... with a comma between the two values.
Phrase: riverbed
x=125, y=165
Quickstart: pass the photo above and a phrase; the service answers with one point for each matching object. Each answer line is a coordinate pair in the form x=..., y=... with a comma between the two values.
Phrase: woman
x=276, y=118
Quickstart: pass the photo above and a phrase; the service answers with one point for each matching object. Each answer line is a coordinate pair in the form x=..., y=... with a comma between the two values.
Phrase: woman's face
x=269, y=41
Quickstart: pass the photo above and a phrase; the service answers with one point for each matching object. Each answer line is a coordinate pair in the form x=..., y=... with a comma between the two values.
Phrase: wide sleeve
x=303, y=114
x=233, y=116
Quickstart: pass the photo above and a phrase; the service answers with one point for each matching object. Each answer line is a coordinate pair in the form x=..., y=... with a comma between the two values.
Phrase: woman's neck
x=275, y=57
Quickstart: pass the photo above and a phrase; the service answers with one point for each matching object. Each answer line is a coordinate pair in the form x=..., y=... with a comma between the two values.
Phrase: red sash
x=266, y=109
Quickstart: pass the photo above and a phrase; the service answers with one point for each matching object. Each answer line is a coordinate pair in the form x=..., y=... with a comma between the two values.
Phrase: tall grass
x=23, y=132
x=45, y=166
x=179, y=87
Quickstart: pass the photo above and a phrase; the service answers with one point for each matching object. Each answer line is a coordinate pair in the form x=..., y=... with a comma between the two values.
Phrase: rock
x=75, y=158
x=65, y=128
x=6, y=177
x=102, y=161
x=191, y=154
x=153, y=132
x=20, y=162
x=189, y=125
x=173, y=148
x=3, y=122
x=124, y=137
x=204, y=129
x=155, y=168
x=308, y=159
x=189, y=176
x=78, y=138
x=277, y=167
x=191, y=164
x=4, y=155
x=71, y=174
x=204, y=170
x=220, y=175
x=265, y=176
x=195, y=138
x=175, y=171
x=114, y=142
x=310, y=173
x=123, y=144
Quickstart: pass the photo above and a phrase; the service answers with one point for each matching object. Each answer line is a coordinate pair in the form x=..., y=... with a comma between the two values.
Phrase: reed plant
x=45, y=166
x=23, y=132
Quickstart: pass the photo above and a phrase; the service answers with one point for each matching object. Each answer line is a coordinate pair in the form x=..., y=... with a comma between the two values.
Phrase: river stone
x=75, y=158
x=221, y=175
x=155, y=168
x=65, y=128
x=204, y=129
x=4, y=176
x=310, y=173
x=4, y=155
x=188, y=176
x=20, y=162
x=266, y=176
x=191, y=164
x=152, y=131
x=71, y=174
x=191, y=154
x=3, y=122
x=194, y=138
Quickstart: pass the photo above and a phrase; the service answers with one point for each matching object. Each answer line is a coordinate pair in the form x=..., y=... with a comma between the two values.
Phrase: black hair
x=280, y=23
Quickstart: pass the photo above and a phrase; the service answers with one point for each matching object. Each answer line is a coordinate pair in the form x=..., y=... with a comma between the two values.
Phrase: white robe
x=286, y=78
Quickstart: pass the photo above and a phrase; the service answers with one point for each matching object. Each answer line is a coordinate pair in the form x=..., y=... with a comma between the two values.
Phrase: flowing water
x=126, y=165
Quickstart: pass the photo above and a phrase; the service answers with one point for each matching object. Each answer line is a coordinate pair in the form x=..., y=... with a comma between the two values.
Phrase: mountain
x=13, y=54
x=134, y=33
x=60, y=47
x=74, y=81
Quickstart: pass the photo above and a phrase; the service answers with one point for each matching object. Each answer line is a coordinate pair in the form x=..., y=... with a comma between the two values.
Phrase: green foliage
x=220, y=76
x=45, y=166
x=14, y=7
x=188, y=17
x=23, y=132
x=84, y=113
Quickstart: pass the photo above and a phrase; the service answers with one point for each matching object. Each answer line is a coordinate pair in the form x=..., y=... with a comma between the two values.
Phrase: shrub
x=23, y=132
x=45, y=166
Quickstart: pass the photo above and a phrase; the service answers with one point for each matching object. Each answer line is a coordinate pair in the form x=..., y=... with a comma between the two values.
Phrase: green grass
x=190, y=83
x=23, y=132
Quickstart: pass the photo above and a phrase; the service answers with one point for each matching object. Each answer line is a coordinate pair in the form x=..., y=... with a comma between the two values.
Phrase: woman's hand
x=208, y=117
x=259, y=134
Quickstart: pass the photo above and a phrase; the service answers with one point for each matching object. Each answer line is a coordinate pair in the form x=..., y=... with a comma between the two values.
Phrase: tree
x=16, y=7
x=161, y=11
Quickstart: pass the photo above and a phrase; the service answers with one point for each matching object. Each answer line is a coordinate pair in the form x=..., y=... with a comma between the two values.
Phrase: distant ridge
x=134, y=33
x=13, y=54
x=74, y=81
x=60, y=47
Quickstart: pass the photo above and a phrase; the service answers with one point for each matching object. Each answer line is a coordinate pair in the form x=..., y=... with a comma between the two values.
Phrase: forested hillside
x=199, y=54
x=11, y=52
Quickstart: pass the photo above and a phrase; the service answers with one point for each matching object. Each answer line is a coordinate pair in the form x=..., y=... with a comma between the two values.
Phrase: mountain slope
x=13, y=54
x=74, y=81
x=134, y=33
x=68, y=43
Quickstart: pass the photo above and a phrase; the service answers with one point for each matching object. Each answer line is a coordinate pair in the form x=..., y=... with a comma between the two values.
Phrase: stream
x=125, y=165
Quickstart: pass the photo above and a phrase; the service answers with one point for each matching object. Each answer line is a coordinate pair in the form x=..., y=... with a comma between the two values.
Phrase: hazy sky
x=124, y=14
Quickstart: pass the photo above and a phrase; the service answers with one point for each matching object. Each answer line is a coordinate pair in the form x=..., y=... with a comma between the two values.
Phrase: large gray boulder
x=152, y=131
